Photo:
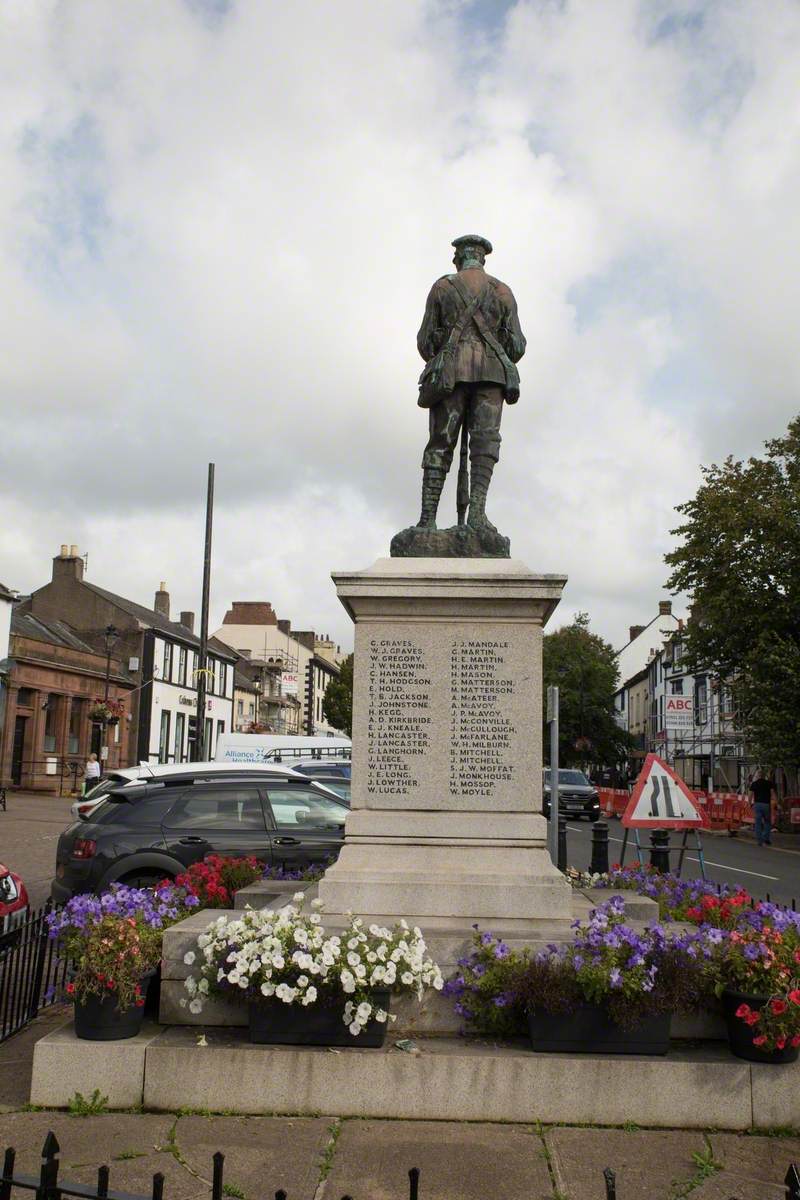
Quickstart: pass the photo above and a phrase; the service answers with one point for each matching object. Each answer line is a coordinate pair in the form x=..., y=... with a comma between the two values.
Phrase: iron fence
x=32, y=977
x=48, y=1186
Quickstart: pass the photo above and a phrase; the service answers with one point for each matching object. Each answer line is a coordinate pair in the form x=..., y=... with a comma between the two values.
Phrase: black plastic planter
x=274, y=1023
x=97, y=1019
x=740, y=1034
x=590, y=1030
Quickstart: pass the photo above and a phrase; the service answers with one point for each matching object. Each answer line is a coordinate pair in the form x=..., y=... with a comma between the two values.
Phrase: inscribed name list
x=456, y=723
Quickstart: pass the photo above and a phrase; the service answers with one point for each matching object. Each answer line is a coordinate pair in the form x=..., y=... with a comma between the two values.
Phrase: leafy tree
x=739, y=560
x=584, y=669
x=337, y=706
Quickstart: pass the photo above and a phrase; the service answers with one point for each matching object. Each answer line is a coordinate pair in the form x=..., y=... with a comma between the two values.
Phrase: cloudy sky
x=219, y=220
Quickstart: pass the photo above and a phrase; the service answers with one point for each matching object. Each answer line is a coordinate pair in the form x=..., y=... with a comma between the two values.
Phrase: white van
x=246, y=748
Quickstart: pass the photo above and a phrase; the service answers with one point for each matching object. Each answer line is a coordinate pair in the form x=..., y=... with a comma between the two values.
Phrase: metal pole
x=552, y=717
x=200, y=749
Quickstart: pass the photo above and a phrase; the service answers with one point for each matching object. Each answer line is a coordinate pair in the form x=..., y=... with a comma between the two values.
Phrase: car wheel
x=145, y=879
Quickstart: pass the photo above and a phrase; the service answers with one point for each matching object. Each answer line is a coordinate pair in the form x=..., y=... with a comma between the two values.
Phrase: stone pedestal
x=446, y=826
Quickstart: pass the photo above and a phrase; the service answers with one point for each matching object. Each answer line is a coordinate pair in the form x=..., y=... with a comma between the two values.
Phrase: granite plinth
x=460, y=541
x=445, y=827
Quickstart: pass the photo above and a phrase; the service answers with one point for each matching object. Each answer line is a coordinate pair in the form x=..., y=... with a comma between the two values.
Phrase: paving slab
x=262, y=1154
x=649, y=1164
x=134, y=1147
x=16, y=1056
x=468, y=1161
x=776, y=1096
x=753, y=1168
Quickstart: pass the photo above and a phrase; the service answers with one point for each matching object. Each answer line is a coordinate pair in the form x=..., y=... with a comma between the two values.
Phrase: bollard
x=599, y=863
x=659, y=850
x=562, y=843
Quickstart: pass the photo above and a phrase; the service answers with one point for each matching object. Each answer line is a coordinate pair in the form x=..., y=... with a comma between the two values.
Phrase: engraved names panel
x=482, y=729
x=398, y=716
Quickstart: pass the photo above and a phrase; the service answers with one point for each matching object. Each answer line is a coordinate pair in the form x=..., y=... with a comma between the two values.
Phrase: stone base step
x=694, y=1086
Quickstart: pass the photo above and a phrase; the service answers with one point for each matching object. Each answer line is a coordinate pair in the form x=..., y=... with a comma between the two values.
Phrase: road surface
x=763, y=871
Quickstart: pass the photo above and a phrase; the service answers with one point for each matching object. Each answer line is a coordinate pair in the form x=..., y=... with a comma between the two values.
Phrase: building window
x=220, y=729
x=75, y=718
x=25, y=698
x=223, y=678
x=182, y=666
x=50, y=723
x=167, y=675
x=163, y=741
x=240, y=708
x=211, y=677
x=180, y=721
x=677, y=687
x=208, y=749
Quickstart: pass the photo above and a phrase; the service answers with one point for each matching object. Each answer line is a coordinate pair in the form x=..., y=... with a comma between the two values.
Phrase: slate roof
x=156, y=620
x=6, y=593
x=56, y=633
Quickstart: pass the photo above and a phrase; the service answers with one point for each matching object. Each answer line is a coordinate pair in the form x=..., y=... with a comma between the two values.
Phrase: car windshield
x=104, y=786
x=573, y=778
x=340, y=786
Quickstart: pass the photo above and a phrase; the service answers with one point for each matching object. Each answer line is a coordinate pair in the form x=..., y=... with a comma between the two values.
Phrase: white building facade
x=171, y=662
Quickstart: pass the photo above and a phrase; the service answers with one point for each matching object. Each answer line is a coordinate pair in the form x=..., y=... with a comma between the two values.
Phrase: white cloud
x=216, y=237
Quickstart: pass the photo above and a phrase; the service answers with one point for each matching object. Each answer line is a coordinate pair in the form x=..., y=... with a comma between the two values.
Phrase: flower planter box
x=97, y=1019
x=274, y=1023
x=590, y=1030
x=740, y=1034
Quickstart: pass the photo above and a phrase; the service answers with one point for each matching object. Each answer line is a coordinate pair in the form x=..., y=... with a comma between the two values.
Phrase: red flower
x=778, y=1007
x=796, y=1040
x=753, y=1019
x=759, y=1041
x=780, y=1043
x=743, y=1010
x=70, y=989
x=794, y=996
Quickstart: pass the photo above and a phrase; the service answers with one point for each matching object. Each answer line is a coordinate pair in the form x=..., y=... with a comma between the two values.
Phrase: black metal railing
x=48, y=1186
x=32, y=977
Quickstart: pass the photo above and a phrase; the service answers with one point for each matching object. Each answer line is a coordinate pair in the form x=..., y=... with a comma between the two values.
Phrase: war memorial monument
x=446, y=826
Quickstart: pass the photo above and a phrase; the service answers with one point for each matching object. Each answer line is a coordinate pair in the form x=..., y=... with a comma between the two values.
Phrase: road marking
x=738, y=870
x=708, y=862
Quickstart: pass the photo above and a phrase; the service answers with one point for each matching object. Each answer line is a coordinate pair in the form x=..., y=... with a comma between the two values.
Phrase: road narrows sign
x=661, y=800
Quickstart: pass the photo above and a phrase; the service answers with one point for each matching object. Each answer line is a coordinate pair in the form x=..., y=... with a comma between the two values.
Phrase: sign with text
x=661, y=800
x=679, y=712
x=290, y=681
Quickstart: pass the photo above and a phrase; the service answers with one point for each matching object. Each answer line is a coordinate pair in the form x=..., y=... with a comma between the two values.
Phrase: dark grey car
x=577, y=797
x=141, y=834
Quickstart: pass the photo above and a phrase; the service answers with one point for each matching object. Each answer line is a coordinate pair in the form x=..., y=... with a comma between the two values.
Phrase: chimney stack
x=665, y=608
x=187, y=619
x=634, y=631
x=161, y=604
x=68, y=564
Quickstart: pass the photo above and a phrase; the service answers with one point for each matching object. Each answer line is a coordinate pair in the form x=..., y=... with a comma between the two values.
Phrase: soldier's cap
x=473, y=239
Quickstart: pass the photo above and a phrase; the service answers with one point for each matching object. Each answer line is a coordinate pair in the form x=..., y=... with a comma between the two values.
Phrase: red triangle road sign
x=661, y=800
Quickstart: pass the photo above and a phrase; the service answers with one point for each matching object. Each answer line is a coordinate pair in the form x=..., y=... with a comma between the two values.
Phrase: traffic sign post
x=662, y=800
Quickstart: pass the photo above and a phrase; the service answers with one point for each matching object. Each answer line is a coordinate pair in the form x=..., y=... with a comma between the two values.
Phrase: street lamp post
x=110, y=634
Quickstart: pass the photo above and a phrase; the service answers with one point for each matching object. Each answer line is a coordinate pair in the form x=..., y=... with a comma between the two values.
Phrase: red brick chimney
x=665, y=608
x=250, y=612
x=634, y=632
x=161, y=604
x=187, y=619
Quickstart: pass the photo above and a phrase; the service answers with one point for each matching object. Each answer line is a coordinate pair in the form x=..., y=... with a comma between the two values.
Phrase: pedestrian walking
x=91, y=773
x=761, y=791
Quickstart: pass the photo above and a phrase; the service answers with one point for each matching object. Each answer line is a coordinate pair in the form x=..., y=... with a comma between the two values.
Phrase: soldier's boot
x=432, y=483
x=481, y=476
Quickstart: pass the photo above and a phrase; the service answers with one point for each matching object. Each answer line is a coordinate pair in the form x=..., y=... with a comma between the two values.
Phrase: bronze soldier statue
x=470, y=339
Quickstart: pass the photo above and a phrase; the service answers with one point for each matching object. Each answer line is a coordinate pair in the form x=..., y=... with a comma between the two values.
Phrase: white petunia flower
x=195, y=1006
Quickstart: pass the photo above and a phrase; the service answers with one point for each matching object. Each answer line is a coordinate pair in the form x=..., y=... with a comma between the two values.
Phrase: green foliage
x=79, y=1106
x=584, y=669
x=739, y=560
x=231, y=1189
x=337, y=706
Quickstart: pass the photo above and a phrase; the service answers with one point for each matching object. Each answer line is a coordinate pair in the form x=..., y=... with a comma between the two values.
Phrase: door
x=217, y=819
x=18, y=750
x=308, y=827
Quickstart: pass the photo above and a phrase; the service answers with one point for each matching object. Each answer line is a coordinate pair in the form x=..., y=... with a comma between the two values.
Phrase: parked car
x=14, y=904
x=323, y=768
x=153, y=830
x=577, y=797
x=130, y=776
x=337, y=784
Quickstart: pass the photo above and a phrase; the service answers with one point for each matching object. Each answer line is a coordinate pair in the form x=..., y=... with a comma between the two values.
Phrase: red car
x=13, y=902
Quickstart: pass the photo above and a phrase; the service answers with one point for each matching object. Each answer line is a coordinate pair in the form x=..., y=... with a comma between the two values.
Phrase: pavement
x=326, y=1158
